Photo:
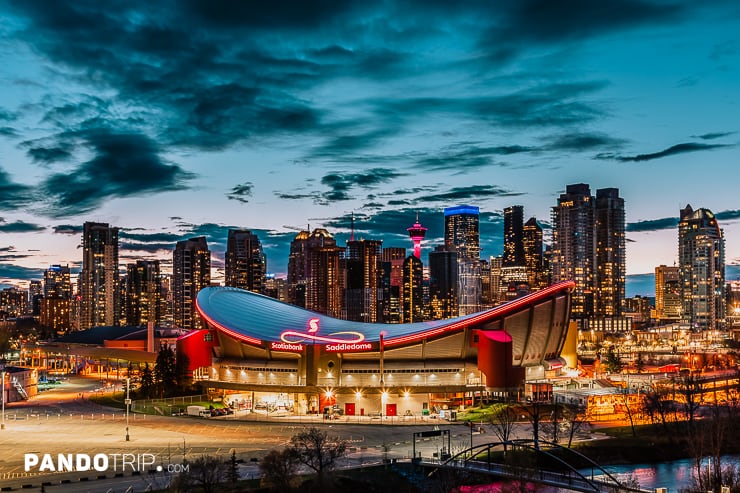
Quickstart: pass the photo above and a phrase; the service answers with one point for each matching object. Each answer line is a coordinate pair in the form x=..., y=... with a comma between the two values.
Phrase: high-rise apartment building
x=322, y=274
x=362, y=286
x=57, y=282
x=191, y=272
x=701, y=257
x=532, y=242
x=463, y=234
x=514, y=236
x=589, y=248
x=296, y=281
x=392, y=259
x=99, y=289
x=667, y=293
x=443, y=277
x=611, y=259
x=245, y=263
x=413, y=291
x=143, y=293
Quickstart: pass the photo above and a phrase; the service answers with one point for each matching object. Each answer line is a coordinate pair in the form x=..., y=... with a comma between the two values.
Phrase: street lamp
x=2, y=425
x=128, y=404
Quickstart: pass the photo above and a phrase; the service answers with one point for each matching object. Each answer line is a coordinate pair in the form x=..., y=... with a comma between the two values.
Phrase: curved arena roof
x=256, y=319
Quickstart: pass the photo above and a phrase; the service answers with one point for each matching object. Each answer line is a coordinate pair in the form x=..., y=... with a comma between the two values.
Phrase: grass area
x=115, y=399
x=479, y=414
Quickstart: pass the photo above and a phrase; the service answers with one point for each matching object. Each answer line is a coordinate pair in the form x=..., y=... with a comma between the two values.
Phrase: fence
x=167, y=406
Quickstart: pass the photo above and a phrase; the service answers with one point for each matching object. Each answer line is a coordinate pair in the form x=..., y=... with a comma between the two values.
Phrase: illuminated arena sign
x=286, y=346
x=346, y=338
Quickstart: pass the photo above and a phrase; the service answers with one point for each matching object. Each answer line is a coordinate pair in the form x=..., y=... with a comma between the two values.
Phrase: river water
x=673, y=475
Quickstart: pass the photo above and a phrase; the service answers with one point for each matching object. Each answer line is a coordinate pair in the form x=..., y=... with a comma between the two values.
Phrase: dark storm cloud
x=467, y=156
x=8, y=132
x=473, y=192
x=671, y=151
x=728, y=215
x=545, y=105
x=241, y=192
x=544, y=22
x=68, y=229
x=714, y=135
x=20, y=227
x=579, y=142
x=48, y=155
x=672, y=222
x=7, y=116
x=653, y=224
x=9, y=271
x=342, y=183
x=124, y=165
x=13, y=195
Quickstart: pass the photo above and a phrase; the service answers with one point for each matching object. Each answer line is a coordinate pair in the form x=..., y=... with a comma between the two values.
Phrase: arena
x=267, y=356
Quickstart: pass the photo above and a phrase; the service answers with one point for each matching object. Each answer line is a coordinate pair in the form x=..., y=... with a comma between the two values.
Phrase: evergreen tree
x=147, y=382
x=613, y=361
x=165, y=372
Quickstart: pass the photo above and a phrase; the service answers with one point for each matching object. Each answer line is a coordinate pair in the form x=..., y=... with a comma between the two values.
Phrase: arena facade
x=268, y=356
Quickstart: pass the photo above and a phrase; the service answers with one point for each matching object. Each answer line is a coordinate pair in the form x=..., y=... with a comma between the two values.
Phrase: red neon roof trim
x=493, y=313
x=226, y=330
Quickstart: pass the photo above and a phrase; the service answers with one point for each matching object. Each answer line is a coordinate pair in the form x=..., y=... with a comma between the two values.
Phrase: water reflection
x=673, y=475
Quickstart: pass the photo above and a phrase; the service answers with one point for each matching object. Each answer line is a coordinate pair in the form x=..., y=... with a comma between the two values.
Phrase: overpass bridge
x=479, y=460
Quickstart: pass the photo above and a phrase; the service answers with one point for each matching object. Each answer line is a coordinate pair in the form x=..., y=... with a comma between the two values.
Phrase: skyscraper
x=514, y=236
x=245, y=263
x=191, y=272
x=322, y=273
x=57, y=282
x=143, y=293
x=532, y=241
x=99, y=290
x=362, y=291
x=611, y=263
x=462, y=234
x=443, y=283
x=413, y=294
x=296, y=280
x=701, y=256
x=392, y=259
x=667, y=293
x=573, y=255
x=462, y=230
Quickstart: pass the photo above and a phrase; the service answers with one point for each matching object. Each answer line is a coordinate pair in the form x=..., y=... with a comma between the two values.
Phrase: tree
x=314, y=449
x=205, y=472
x=147, y=382
x=503, y=424
x=577, y=416
x=536, y=412
x=640, y=362
x=165, y=371
x=232, y=472
x=278, y=469
x=613, y=361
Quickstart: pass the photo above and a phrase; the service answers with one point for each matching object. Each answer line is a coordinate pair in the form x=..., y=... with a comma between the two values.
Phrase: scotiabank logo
x=312, y=336
x=286, y=346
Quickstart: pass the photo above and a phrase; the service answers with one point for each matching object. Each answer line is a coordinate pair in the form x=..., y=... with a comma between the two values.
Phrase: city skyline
x=172, y=123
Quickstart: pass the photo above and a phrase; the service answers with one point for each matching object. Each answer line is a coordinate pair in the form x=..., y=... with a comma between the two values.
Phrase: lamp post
x=2, y=425
x=128, y=404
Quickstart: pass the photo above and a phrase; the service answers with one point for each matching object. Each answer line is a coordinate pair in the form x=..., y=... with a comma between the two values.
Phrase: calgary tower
x=417, y=233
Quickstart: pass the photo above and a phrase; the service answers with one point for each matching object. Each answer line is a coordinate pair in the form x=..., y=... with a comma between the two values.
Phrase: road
x=64, y=421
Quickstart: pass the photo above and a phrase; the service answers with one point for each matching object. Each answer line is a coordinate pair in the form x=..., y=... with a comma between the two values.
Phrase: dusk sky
x=178, y=119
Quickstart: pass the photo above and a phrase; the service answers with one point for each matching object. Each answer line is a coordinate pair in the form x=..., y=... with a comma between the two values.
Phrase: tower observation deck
x=417, y=233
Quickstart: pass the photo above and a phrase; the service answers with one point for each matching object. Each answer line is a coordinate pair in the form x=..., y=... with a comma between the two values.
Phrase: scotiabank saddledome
x=272, y=355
